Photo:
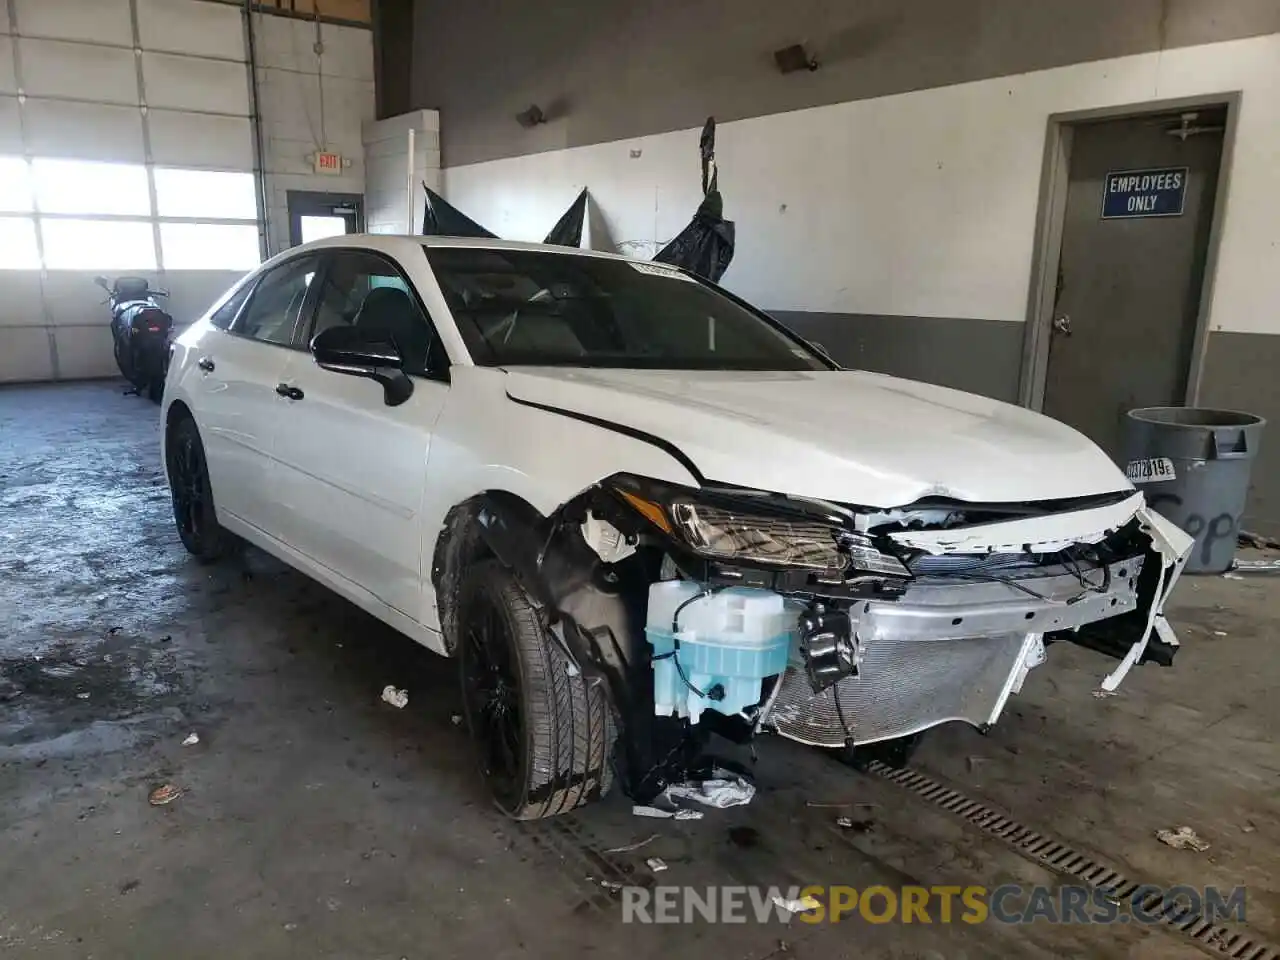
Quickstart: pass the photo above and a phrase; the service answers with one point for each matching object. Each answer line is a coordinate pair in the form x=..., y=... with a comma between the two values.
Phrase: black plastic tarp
x=568, y=229
x=443, y=219
x=705, y=246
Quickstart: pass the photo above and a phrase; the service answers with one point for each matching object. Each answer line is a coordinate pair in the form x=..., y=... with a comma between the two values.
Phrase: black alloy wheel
x=491, y=685
x=543, y=732
x=193, y=510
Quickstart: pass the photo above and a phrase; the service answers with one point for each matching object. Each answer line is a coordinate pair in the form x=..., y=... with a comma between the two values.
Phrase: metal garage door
x=125, y=147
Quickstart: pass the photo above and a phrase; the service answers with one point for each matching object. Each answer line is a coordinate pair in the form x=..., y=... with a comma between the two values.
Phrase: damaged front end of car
x=733, y=611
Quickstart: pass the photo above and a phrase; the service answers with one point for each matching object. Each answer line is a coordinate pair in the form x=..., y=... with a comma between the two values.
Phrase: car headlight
x=721, y=530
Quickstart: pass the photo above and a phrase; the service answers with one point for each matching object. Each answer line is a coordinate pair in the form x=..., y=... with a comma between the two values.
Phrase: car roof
x=393, y=241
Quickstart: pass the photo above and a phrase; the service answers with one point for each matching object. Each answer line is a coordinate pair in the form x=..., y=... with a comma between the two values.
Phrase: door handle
x=288, y=392
x=1062, y=325
x=206, y=364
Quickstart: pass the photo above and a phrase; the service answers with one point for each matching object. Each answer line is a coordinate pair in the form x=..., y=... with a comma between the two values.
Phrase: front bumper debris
x=957, y=650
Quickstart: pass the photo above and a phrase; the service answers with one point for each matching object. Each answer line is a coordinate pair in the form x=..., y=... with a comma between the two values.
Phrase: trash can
x=1193, y=466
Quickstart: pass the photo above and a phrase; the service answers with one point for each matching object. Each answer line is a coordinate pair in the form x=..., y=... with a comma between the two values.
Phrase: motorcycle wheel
x=122, y=360
x=155, y=391
x=138, y=369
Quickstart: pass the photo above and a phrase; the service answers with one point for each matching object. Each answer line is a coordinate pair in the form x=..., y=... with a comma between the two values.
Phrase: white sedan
x=638, y=510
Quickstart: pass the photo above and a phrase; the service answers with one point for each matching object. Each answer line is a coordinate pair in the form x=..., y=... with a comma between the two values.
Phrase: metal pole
x=408, y=219
x=259, y=154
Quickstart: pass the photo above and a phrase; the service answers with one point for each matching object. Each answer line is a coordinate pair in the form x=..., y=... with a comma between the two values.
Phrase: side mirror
x=102, y=282
x=345, y=349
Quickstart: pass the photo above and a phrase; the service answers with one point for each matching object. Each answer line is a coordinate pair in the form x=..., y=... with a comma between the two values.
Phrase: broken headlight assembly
x=784, y=536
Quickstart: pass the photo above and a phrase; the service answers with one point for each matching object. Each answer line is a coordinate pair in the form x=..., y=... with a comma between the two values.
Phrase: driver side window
x=365, y=291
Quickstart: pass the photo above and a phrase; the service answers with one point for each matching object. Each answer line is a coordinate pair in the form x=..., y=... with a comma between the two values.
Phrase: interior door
x=349, y=470
x=1135, y=237
x=239, y=365
x=314, y=216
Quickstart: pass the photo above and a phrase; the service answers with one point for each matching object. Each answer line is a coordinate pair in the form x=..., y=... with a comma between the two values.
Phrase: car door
x=240, y=363
x=349, y=470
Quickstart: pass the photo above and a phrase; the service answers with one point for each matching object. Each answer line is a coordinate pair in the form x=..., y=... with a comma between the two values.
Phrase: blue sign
x=1144, y=193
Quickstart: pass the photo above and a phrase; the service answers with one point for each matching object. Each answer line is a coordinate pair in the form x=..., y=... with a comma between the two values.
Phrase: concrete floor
x=319, y=822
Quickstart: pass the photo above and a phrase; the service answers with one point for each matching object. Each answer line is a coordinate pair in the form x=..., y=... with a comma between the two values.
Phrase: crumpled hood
x=847, y=436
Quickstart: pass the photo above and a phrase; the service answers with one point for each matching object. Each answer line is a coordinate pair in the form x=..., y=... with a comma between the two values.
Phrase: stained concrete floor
x=318, y=822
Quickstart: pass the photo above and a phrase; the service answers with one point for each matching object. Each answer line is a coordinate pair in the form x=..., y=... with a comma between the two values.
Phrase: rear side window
x=272, y=313
x=225, y=314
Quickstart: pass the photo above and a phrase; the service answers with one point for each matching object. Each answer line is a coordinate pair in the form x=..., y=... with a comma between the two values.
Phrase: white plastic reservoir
x=730, y=641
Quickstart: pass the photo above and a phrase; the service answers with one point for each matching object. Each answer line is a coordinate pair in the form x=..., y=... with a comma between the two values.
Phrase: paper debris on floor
x=397, y=698
x=801, y=905
x=1182, y=838
x=659, y=813
x=1256, y=566
x=191, y=740
x=724, y=789
x=656, y=864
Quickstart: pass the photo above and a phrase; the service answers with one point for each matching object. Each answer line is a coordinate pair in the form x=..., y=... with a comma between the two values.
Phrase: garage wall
x=607, y=69
x=920, y=205
x=315, y=92
x=390, y=168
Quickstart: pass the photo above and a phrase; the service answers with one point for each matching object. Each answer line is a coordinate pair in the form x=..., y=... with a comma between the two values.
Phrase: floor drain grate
x=1061, y=858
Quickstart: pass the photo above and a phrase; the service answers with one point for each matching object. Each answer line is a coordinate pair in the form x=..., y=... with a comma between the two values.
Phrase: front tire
x=193, y=509
x=544, y=737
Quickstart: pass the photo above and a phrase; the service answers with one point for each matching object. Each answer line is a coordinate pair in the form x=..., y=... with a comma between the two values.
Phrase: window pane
x=98, y=245
x=564, y=309
x=18, y=250
x=209, y=246
x=272, y=312
x=317, y=228
x=206, y=193
x=369, y=293
x=15, y=185
x=82, y=186
x=223, y=316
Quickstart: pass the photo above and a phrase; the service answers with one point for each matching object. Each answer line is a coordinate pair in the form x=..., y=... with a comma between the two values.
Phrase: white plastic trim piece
x=1031, y=655
x=605, y=539
x=1174, y=546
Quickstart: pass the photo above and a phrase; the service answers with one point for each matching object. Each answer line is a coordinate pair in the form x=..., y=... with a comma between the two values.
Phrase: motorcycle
x=140, y=333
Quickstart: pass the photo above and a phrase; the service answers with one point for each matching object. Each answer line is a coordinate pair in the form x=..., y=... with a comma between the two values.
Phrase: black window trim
x=439, y=376
x=256, y=282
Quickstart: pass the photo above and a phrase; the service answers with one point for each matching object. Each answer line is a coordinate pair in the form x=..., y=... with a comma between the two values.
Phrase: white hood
x=846, y=436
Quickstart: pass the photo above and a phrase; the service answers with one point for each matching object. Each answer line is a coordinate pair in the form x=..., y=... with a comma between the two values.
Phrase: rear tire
x=193, y=509
x=544, y=738
x=155, y=391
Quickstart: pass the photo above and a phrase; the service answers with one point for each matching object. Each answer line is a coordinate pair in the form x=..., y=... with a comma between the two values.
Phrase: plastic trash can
x=1193, y=466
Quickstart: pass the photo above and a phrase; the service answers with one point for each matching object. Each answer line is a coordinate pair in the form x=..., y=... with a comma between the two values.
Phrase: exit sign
x=328, y=162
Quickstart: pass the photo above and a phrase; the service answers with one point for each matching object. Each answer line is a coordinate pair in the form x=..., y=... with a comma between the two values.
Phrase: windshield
x=522, y=307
